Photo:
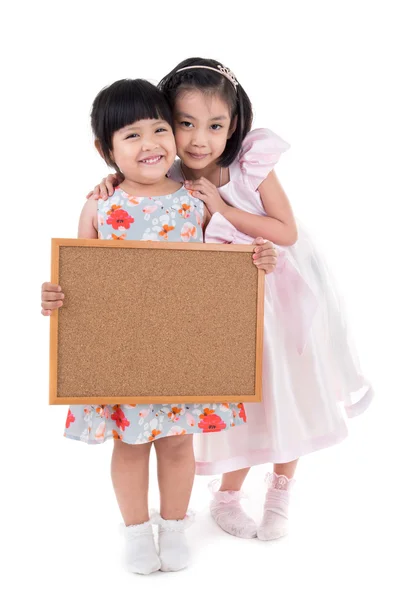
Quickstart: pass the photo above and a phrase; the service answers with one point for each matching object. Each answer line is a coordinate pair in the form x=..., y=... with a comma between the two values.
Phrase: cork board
x=151, y=322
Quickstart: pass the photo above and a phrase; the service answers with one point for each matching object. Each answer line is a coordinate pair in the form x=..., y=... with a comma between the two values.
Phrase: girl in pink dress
x=309, y=368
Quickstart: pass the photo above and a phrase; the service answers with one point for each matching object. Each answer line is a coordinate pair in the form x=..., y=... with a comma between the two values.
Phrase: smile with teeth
x=151, y=160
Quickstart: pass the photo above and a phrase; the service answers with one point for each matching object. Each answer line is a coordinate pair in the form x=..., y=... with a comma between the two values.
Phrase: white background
x=324, y=76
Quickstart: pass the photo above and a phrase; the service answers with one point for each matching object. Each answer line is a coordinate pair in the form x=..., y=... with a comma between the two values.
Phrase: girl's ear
x=232, y=128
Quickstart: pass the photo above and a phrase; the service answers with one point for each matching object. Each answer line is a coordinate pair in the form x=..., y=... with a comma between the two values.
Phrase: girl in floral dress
x=132, y=124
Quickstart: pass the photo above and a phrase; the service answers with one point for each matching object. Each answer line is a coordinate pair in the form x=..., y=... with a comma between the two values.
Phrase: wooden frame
x=56, y=398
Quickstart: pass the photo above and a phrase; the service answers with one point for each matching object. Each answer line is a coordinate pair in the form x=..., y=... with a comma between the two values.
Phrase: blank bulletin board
x=151, y=322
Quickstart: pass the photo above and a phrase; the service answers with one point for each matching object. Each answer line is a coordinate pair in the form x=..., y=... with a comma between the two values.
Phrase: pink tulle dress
x=311, y=376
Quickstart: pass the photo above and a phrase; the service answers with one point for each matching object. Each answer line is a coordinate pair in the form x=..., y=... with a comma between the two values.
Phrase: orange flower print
x=165, y=230
x=134, y=201
x=116, y=435
x=114, y=208
x=176, y=431
x=70, y=419
x=188, y=231
x=103, y=411
x=206, y=412
x=119, y=417
x=119, y=219
x=118, y=237
x=242, y=413
x=175, y=413
x=184, y=211
x=212, y=423
x=154, y=434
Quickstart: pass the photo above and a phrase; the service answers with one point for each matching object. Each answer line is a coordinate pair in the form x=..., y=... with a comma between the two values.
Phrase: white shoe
x=173, y=547
x=140, y=549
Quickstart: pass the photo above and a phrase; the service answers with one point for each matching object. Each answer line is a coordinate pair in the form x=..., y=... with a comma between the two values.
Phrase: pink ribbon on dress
x=296, y=300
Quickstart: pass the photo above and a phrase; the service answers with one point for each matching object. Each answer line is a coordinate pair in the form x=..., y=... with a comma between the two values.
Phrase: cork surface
x=149, y=322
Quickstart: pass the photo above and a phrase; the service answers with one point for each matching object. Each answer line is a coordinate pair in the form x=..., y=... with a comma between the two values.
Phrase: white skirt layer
x=310, y=370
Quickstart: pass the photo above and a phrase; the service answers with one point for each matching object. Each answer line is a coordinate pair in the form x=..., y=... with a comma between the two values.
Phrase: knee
x=175, y=448
x=130, y=451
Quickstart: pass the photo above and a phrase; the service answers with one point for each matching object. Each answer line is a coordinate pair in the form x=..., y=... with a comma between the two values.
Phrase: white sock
x=275, y=522
x=172, y=542
x=228, y=513
x=140, y=549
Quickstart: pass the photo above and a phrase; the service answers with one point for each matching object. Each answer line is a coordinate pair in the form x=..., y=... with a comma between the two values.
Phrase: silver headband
x=221, y=70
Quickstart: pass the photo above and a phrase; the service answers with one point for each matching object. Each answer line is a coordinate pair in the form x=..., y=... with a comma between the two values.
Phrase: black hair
x=210, y=82
x=122, y=103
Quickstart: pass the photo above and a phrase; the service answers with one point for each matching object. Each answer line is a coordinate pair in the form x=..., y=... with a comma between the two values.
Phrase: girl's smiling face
x=144, y=151
x=202, y=127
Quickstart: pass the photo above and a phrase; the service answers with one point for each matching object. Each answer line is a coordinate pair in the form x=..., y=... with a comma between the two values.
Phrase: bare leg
x=176, y=468
x=233, y=481
x=287, y=469
x=130, y=477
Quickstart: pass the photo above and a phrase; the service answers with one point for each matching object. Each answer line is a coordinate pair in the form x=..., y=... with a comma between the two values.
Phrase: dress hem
x=266, y=455
x=355, y=410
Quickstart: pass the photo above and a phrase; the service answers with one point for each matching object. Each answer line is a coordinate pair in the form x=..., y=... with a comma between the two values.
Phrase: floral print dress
x=177, y=217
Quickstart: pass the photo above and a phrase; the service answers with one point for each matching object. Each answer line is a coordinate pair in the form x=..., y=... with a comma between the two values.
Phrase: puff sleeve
x=261, y=150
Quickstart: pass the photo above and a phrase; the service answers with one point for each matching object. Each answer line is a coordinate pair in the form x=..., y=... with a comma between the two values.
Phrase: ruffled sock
x=275, y=523
x=140, y=549
x=172, y=542
x=228, y=513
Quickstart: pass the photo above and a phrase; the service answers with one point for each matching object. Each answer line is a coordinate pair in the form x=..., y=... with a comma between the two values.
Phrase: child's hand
x=106, y=187
x=52, y=297
x=207, y=192
x=265, y=255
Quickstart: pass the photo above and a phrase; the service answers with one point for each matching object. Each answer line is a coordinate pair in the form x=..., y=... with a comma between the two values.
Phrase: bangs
x=129, y=103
